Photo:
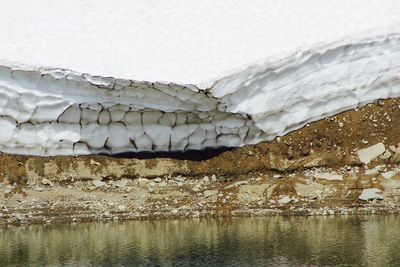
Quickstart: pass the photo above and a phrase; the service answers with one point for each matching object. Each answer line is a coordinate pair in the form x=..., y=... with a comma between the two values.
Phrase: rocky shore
x=346, y=164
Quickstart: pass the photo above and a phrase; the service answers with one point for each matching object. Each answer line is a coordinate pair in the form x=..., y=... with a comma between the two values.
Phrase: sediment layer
x=317, y=170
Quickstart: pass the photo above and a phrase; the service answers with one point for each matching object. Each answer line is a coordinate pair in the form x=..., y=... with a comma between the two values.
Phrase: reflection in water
x=272, y=241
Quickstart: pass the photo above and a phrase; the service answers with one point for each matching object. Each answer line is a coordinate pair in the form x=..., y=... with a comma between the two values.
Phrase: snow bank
x=50, y=111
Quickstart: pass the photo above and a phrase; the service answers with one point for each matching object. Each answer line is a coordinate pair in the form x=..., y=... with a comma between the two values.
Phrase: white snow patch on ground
x=178, y=41
x=324, y=57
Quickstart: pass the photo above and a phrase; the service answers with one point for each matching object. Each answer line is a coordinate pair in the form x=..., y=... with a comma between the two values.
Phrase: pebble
x=284, y=200
x=328, y=176
x=196, y=188
x=389, y=174
x=8, y=189
x=368, y=154
x=47, y=182
x=98, y=183
x=158, y=180
x=121, y=183
x=370, y=194
x=236, y=184
x=209, y=193
x=121, y=207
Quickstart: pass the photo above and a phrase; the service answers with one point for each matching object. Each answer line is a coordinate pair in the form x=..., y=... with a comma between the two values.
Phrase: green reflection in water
x=270, y=241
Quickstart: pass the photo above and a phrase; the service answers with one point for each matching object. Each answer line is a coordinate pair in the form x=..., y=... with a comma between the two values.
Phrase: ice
x=237, y=73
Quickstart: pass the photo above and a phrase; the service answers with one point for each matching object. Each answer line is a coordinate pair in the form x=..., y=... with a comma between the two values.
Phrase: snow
x=280, y=65
x=178, y=41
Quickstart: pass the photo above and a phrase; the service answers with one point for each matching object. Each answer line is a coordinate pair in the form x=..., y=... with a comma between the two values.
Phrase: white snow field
x=206, y=74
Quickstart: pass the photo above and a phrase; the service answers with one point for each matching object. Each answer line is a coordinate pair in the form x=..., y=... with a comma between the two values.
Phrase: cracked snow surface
x=47, y=111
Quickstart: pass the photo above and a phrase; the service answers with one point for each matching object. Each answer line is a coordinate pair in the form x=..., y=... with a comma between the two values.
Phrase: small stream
x=267, y=241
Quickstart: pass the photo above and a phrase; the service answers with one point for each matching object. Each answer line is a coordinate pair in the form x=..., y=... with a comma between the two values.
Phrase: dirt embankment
x=331, y=142
x=315, y=170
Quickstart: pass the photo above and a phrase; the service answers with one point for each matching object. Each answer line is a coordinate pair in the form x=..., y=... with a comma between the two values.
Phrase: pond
x=266, y=241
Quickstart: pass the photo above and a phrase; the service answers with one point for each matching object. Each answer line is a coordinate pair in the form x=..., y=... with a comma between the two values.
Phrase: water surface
x=269, y=241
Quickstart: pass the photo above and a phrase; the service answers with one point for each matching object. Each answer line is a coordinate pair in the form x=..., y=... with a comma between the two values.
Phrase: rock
x=143, y=181
x=93, y=162
x=253, y=192
x=163, y=184
x=368, y=154
x=389, y=174
x=107, y=214
x=121, y=207
x=371, y=172
x=370, y=194
x=329, y=176
x=213, y=178
x=284, y=200
x=196, y=188
x=158, y=180
x=236, y=184
x=19, y=217
x=396, y=157
x=209, y=193
x=206, y=179
x=386, y=155
x=39, y=188
x=47, y=182
x=328, y=212
x=121, y=183
x=8, y=189
x=312, y=189
x=277, y=176
x=98, y=183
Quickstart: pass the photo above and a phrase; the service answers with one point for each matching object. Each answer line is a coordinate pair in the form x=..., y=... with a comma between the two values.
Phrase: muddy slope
x=330, y=142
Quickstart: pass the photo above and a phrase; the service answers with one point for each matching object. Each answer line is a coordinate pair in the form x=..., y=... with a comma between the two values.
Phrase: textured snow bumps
x=61, y=112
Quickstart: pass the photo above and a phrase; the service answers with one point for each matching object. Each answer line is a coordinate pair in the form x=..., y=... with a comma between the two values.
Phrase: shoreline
x=298, y=193
x=344, y=164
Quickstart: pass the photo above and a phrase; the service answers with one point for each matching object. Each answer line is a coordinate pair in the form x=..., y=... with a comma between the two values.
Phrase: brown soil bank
x=317, y=170
x=331, y=142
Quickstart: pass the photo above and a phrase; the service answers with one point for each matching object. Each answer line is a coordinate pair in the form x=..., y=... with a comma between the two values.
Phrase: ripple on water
x=270, y=241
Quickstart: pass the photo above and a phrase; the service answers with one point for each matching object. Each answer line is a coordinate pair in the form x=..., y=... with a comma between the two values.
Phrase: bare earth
x=313, y=171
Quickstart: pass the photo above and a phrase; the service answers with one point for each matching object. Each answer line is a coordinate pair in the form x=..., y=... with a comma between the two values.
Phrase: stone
x=284, y=200
x=370, y=194
x=312, y=189
x=98, y=183
x=143, y=181
x=368, y=154
x=252, y=192
x=206, y=179
x=389, y=174
x=93, y=162
x=158, y=180
x=371, y=172
x=46, y=181
x=209, y=193
x=121, y=207
x=386, y=155
x=196, y=188
x=39, y=188
x=213, y=178
x=121, y=183
x=277, y=176
x=329, y=176
x=19, y=217
x=236, y=184
x=8, y=189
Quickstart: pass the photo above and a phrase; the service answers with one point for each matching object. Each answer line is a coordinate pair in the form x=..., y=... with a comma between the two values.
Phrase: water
x=270, y=241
